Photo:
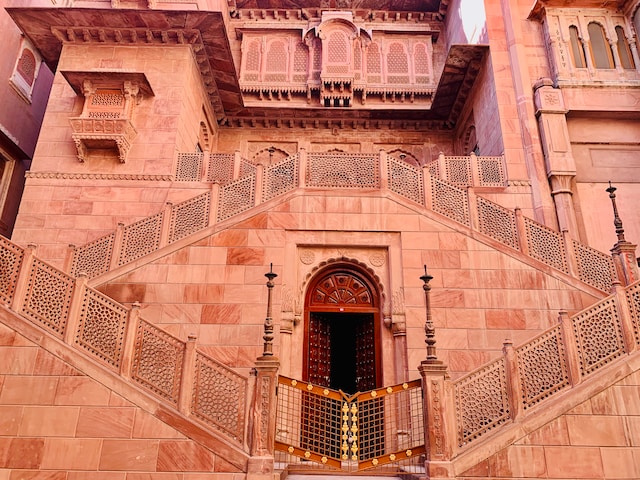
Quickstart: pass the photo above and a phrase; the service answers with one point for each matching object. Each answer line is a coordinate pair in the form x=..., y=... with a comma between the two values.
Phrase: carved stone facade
x=402, y=173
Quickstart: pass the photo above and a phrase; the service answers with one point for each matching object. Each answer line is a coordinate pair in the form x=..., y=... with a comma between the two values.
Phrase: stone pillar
x=623, y=252
x=262, y=428
x=437, y=426
x=437, y=420
x=556, y=145
x=263, y=420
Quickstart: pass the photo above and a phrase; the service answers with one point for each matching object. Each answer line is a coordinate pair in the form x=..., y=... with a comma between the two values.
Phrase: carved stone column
x=263, y=420
x=263, y=409
x=438, y=423
x=399, y=329
x=556, y=145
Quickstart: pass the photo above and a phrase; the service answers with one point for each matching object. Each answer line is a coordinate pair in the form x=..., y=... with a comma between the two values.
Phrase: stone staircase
x=237, y=187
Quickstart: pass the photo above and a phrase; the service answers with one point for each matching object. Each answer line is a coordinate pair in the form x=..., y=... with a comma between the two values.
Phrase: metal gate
x=318, y=426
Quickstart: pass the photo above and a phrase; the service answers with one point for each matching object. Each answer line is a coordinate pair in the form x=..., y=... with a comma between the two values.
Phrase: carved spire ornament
x=429, y=329
x=268, y=321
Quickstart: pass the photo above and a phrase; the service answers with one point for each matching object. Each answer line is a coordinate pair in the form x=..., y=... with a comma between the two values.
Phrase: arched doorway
x=342, y=330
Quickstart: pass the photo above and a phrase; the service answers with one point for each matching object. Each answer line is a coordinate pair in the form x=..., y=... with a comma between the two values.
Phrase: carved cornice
x=99, y=176
x=50, y=28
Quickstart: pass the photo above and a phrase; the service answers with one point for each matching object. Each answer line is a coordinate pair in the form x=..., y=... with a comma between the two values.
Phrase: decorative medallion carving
x=307, y=256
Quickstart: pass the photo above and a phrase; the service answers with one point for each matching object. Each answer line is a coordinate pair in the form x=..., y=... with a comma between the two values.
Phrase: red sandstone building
x=400, y=172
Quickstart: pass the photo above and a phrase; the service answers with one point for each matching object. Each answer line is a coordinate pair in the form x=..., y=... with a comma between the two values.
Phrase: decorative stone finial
x=268, y=321
x=617, y=221
x=429, y=329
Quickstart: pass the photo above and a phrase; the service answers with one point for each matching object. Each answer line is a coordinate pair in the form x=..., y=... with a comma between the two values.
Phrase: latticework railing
x=382, y=427
x=469, y=171
x=280, y=178
x=343, y=170
x=549, y=364
x=231, y=196
x=99, y=327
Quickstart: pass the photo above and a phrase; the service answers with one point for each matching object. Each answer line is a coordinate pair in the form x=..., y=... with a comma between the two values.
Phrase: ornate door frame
x=343, y=288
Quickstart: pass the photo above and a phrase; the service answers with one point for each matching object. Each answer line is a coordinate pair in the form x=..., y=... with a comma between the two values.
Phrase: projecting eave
x=460, y=71
x=537, y=10
x=205, y=32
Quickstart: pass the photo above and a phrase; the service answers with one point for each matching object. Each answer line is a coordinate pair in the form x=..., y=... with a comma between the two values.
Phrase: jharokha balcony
x=103, y=134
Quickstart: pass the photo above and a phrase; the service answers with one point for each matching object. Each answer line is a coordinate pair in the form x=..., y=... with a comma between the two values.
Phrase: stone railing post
x=68, y=259
x=625, y=262
x=188, y=369
x=624, y=252
x=442, y=167
x=436, y=415
x=570, y=254
x=302, y=167
x=263, y=420
x=473, y=209
x=521, y=230
x=129, y=345
x=117, y=246
x=626, y=322
x=262, y=426
x=514, y=386
x=259, y=184
x=237, y=162
x=20, y=288
x=384, y=170
x=74, y=308
x=165, y=226
x=428, y=190
x=215, y=199
x=475, y=169
x=438, y=420
x=571, y=352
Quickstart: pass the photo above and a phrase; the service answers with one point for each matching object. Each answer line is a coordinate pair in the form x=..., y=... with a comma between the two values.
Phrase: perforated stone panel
x=594, y=267
x=397, y=64
x=252, y=62
x=236, y=197
x=338, y=47
x=276, y=63
x=219, y=397
x=542, y=367
x=189, y=167
x=189, y=216
x=343, y=171
x=405, y=180
x=107, y=100
x=48, y=297
x=450, y=201
x=458, y=170
x=633, y=299
x=94, y=258
x=300, y=63
x=247, y=168
x=280, y=178
x=10, y=262
x=546, y=245
x=374, y=64
x=220, y=167
x=157, y=361
x=140, y=238
x=492, y=171
x=101, y=327
x=598, y=334
x=497, y=222
x=481, y=402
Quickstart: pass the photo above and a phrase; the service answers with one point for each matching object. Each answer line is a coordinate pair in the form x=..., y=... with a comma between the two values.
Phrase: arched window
x=276, y=64
x=252, y=62
x=624, y=51
x=600, y=49
x=27, y=66
x=397, y=64
x=577, y=50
